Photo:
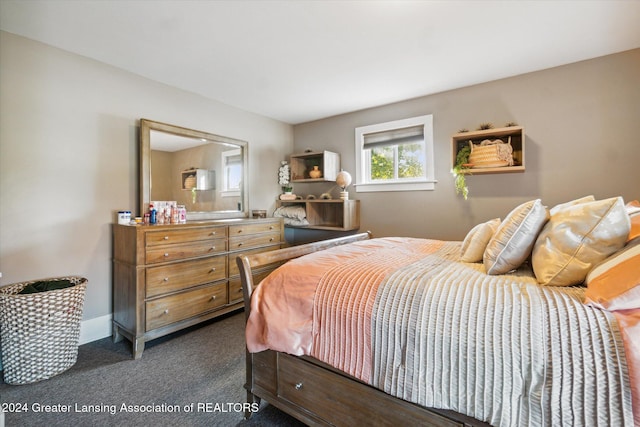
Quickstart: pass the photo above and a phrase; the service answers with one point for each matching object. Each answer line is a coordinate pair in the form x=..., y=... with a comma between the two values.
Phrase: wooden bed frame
x=314, y=392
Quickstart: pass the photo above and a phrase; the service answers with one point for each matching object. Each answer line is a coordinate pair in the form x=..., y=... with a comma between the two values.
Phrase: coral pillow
x=477, y=239
x=576, y=238
x=614, y=284
x=512, y=243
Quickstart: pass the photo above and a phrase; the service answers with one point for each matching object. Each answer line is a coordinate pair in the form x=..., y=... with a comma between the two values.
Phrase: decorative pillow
x=477, y=239
x=614, y=284
x=633, y=209
x=513, y=241
x=561, y=206
x=578, y=237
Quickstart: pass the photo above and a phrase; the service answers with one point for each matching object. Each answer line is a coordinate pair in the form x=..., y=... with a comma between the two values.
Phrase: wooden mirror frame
x=146, y=126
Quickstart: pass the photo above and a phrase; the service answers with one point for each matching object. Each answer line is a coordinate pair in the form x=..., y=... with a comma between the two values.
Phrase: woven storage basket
x=40, y=331
x=491, y=154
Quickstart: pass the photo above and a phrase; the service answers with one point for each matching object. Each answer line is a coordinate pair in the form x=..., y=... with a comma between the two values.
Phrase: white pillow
x=513, y=241
x=576, y=238
x=476, y=241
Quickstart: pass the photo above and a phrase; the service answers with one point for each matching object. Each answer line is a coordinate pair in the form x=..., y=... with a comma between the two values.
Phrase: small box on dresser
x=169, y=277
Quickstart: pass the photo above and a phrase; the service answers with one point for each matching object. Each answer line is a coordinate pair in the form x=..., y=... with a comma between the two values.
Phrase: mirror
x=206, y=173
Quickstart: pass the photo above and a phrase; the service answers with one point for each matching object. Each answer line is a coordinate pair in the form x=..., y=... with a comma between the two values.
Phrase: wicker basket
x=40, y=331
x=491, y=154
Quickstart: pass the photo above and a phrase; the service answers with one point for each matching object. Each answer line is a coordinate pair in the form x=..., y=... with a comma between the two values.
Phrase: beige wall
x=582, y=137
x=69, y=158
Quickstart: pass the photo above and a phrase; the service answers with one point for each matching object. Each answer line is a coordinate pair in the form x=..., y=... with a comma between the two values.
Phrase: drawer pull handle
x=298, y=386
x=213, y=297
x=271, y=227
x=240, y=244
x=213, y=269
x=213, y=233
x=271, y=239
x=213, y=248
x=166, y=311
x=166, y=237
x=240, y=231
x=166, y=279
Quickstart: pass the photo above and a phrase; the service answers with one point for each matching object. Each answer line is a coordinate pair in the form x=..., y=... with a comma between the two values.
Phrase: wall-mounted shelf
x=343, y=215
x=461, y=139
x=200, y=179
x=328, y=163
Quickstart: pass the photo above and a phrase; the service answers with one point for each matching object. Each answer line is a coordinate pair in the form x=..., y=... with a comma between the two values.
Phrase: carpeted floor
x=191, y=378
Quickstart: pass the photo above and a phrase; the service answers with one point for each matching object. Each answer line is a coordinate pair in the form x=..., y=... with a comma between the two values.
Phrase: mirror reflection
x=204, y=172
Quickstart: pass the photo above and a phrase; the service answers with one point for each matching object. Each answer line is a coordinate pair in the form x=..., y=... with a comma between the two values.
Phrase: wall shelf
x=342, y=215
x=328, y=163
x=461, y=139
x=200, y=179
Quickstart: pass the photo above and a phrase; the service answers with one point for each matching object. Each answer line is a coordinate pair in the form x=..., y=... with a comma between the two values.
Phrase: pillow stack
x=578, y=236
x=292, y=215
x=590, y=241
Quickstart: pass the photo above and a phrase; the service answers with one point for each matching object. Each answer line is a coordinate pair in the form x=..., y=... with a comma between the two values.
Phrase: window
x=232, y=163
x=395, y=156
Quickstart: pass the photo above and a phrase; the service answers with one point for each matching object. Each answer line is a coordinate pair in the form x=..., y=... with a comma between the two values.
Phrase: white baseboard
x=96, y=329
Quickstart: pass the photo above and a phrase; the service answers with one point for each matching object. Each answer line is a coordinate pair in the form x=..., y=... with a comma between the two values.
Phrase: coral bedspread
x=405, y=316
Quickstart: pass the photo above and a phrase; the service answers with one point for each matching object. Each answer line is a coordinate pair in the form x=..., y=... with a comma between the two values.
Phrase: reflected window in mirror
x=232, y=178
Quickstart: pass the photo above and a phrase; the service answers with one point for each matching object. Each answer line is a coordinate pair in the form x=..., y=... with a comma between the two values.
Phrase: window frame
x=426, y=182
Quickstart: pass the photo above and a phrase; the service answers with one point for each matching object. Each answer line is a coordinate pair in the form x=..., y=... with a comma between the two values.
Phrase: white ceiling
x=298, y=61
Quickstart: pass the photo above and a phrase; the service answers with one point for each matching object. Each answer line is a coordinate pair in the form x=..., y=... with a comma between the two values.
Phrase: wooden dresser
x=169, y=277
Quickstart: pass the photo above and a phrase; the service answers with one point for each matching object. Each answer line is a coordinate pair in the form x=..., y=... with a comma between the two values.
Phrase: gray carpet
x=202, y=367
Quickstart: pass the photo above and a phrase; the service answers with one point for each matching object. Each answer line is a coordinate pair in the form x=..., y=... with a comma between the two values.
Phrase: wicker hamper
x=40, y=331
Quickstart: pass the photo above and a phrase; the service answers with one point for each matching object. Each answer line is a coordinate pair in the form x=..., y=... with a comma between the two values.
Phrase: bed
x=392, y=331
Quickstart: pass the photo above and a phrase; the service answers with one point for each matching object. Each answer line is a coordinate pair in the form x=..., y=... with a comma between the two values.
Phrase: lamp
x=343, y=179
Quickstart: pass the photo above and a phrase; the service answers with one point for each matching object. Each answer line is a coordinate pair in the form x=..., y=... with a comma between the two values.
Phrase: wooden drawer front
x=180, y=275
x=253, y=240
x=163, y=237
x=314, y=388
x=233, y=265
x=157, y=254
x=258, y=227
x=235, y=291
x=235, y=286
x=173, y=308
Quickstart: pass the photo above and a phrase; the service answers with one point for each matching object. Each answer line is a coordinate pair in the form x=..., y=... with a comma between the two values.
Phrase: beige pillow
x=561, y=206
x=477, y=239
x=512, y=243
x=576, y=238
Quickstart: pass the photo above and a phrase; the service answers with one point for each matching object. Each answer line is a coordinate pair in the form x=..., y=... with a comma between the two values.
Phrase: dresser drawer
x=180, y=275
x=176, y=307
x=314, y=389
x=256, y=227
x=253, y=240
x=233, y=265
x=155, y=254
x=235, y=286
x=163, y=237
